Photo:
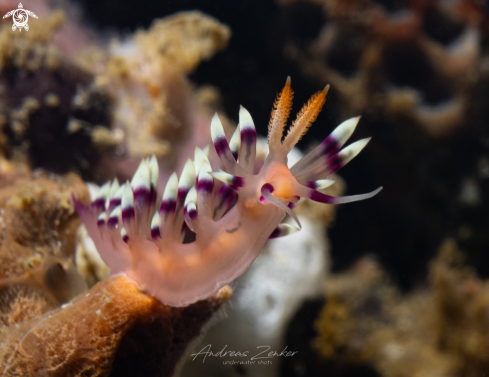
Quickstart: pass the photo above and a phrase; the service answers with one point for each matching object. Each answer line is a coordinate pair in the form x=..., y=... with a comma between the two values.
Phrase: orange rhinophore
x=230, y=213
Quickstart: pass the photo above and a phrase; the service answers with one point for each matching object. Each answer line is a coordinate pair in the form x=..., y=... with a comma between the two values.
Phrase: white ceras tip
x=199, y=159
x=187, y=179
x=348, y=153
x=114, y=187
x=245, y=119
x=191, y=196
x=343, y=132
x=118, y=193
x=116, y=213
x=154, y=171
x=104, y=191
x=224, y=177
x=127, y=197
x=142, y=178
x=171, y=189
x=155, y=221
x=217, y=131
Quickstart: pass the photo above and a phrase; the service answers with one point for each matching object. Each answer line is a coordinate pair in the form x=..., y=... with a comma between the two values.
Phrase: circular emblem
x=20, y=17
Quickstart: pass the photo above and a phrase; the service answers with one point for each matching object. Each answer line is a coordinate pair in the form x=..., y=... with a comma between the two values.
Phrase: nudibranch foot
x=212, y=222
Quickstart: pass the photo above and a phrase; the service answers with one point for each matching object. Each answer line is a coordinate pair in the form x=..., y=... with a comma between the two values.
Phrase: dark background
x=406, y=223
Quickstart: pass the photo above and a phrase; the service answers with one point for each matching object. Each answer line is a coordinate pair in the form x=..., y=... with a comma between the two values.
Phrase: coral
x=461, y=308
x=51, y=109
x=396, y=61
x=217, y=247
x=70, y=104
x=417, y=73
x=146, y=75
x=440, y=331
x=87, y=259
x=38, y=223
x=113, y=329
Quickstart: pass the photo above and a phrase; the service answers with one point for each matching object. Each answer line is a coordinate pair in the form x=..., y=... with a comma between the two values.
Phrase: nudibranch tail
x=211, y=222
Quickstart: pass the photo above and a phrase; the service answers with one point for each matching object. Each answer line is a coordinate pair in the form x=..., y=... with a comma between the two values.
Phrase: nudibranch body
x=211, y=224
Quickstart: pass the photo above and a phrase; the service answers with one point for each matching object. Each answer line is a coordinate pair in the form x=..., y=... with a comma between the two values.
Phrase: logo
x=262, y=356
x=20, y=17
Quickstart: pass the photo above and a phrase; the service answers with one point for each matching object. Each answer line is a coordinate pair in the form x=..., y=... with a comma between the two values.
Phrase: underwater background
x=392, y=286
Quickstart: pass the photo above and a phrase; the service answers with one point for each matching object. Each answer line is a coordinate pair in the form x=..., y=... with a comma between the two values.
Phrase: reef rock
x=39, y=225
x=417, y=72
x=437, y=331
x=114, y=329
x=146, y=74
x=52, y=113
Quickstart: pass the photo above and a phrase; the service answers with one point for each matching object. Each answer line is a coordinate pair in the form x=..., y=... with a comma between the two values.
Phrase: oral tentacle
x=266, y=192
x=324, y=151
x=317, y=196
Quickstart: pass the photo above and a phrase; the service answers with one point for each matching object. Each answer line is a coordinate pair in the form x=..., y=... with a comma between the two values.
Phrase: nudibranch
x=210, y=224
